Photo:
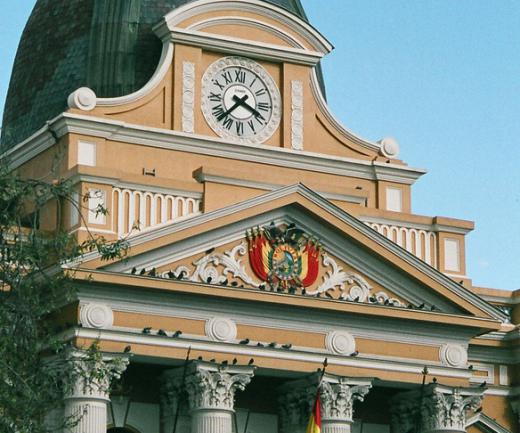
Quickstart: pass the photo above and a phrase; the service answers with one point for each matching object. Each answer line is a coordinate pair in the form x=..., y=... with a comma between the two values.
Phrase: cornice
x=243, y=47
x=309, y=355
x=201, y=308
x=115, y=130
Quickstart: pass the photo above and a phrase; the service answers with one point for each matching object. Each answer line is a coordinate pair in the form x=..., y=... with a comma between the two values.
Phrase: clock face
x=240, y=100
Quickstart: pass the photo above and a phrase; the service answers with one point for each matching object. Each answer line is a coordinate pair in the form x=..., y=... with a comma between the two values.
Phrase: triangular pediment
x=355, y=264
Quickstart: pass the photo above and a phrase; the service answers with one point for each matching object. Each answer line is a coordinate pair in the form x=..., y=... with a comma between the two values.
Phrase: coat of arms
x=284, y=258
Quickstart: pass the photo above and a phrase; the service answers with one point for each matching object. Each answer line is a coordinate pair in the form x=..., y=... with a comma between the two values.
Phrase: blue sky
x=443, y=78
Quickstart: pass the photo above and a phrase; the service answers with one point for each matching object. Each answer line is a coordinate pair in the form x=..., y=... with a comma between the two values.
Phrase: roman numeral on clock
x=260, y=92
x=240, y=128
x=240, y=76
x=264, y=106
x=228, y=123
x=215, y=97
x=218, y=111
x=227, y=77
x=251, y=125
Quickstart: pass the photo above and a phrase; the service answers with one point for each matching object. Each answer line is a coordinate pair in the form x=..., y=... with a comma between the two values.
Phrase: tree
x=34, y=288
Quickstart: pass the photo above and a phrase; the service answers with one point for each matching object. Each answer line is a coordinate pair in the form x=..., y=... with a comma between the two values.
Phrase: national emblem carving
x=284, y=257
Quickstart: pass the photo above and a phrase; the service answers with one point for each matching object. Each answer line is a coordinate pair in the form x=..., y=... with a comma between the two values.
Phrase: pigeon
x=127, y=349
x=134, y=270
x=483, y=384
x=177, y=334
x=410, y=306
x=225, y=363
x=259, y=344
x=224, y=283
x=234, y=361
x=200, y=358
x=356, y=299
x=143, y=271
x=261, y=286
x=180, y=275
x=212, y=360
x=234, y=283
x=434, y=380
x=304, y=292
x=208, y=280
x=355, y=353
x=147, y=330
x=244, y=341
x=287, y=346
x=162, y=332
x=251, y=361
x=171, y=275
x=433, y=308
x=273, y=344
x=153, y=272
x=210, y=250
x=420, y=307
x=470, y=367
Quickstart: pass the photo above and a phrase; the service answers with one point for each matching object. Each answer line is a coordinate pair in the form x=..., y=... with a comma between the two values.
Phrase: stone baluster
x=337, y=402
x=435, y=409
x=86, y=402
x=337, y=396
x=211, y=392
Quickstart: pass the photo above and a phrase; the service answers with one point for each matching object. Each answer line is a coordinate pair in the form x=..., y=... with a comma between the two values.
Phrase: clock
x=240, y=100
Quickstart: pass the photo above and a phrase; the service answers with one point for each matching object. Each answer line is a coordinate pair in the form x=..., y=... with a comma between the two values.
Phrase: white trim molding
x=188, y=97
x=297, y=115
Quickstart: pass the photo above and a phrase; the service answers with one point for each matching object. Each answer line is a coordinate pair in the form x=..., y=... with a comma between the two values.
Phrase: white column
x=211, y=391
x=337, y=402
x=435, y=409
x=337, y=396
x=86, y=401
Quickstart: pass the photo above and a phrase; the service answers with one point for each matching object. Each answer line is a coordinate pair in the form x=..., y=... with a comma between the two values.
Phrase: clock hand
x=246, y=105
x=238, y=103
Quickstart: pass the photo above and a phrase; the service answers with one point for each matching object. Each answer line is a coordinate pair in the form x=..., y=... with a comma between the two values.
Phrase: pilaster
x=435, y=409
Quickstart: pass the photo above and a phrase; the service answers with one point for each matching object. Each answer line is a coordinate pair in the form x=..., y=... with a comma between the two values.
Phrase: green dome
x=107, y=45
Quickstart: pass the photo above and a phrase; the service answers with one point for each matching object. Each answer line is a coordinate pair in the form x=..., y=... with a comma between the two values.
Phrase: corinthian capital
x=436, y=408
x=337, y=397
x=445, y=408
x=213, y=387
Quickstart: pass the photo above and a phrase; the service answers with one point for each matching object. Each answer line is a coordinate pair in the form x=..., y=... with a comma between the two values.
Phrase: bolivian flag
x=314, y=425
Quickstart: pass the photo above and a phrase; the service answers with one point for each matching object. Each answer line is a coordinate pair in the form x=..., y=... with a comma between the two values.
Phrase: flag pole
x=177, y=411
x=314, y=425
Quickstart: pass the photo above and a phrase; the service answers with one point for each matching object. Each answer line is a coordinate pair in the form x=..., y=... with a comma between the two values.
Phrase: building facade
x=265, y=236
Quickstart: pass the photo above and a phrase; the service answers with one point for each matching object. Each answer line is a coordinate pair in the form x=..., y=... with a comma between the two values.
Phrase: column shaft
x=211, y=421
